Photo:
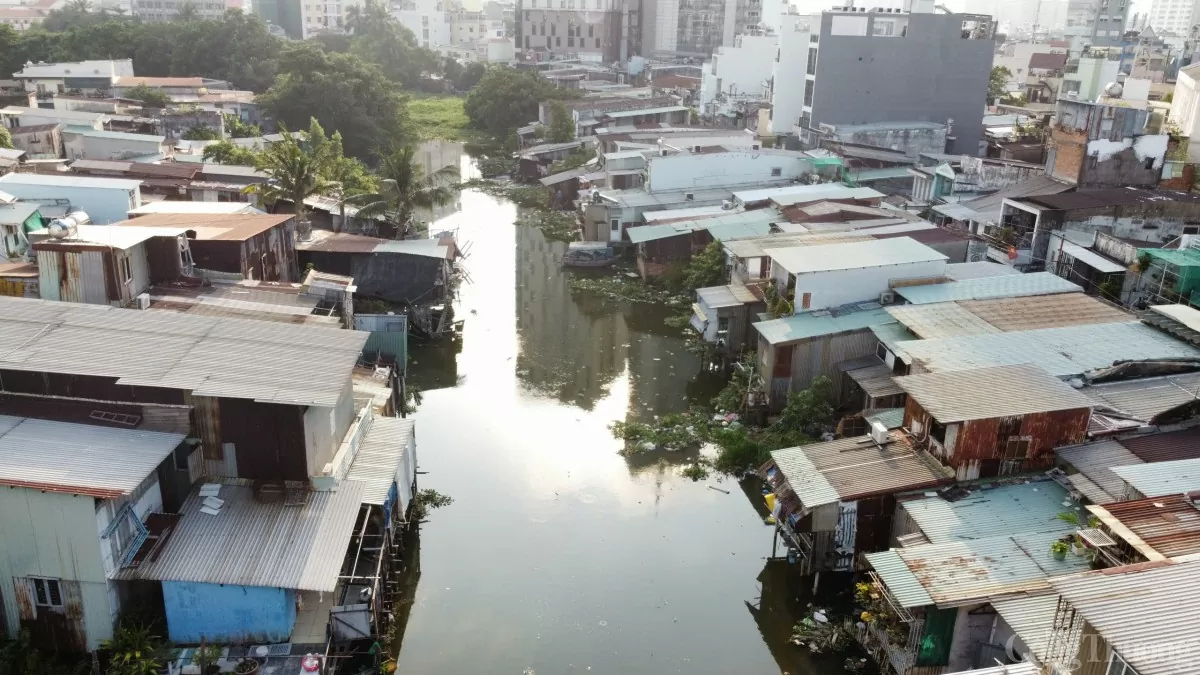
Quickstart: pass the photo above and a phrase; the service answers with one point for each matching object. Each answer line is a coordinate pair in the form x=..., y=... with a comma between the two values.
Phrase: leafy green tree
x=187, y=12
x=226, y=152
x=505, y=99
x=706, y=268
x=392, y=47
x=998, y=83
x=296, y=173
x=349, y=173
x=452, y=70
x=5, y=139
x=155, y=98
x=344, y=93
x=562, y=125
x=201, y=132
x=809, y=411
x=404, y=187
x=235, y=127
x=471, y=74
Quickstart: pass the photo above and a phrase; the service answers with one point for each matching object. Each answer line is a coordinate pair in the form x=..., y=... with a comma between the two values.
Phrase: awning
x=959, y=212
x=1091, y=258
x=876, y=381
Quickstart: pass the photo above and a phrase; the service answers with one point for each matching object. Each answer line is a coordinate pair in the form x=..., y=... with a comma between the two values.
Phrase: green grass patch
x=438, y=117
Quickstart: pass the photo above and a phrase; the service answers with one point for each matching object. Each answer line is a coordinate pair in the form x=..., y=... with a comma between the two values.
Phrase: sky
x=985, y=6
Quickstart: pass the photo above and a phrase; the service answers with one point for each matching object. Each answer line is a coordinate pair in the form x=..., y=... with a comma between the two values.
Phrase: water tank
x=1113, y=89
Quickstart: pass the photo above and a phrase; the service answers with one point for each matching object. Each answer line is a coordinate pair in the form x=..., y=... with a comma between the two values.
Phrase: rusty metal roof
x=1158, y=527
x=985, y=393
x=213, y=226
x=259, y=543
x=1183, y=444
x=1147, y=613
x=208, y=356
x=79, y=459
x=850, y=468
x=1045, y=311
x=1147, y=398
x=970, y=572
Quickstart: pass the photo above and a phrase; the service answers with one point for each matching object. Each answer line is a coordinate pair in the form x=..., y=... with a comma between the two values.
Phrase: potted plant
x=1059, y=549
x=206, y=657
x=246, y=667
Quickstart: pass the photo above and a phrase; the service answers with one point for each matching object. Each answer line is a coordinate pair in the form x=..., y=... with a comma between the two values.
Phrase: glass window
x=47, y=593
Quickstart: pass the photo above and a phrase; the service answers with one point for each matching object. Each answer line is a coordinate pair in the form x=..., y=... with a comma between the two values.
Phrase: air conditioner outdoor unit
x=887, y=297
x=726, y=205
x=143, y=301
x=879, y=433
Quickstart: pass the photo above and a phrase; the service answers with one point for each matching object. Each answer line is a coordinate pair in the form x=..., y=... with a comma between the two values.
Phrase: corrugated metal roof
x=850, y=468
x=1155, y=479
x=991, y=392
x=1045, y=311
x=755, y=247
x=978, y=270
x=252, y=543
x=986, y=288
x=114, y=236
x=1094, y=462
x=733, y=295
x=729, y=225
x=79, y=458
x=209, y=356
x=175, y=206
x=1062, y=352
x=891, y=335
x=1091, y=258
x=1182, y=444
x=797, y=194
x=48, y=180
x=115, y=135
x=940, y=320
x=810, y=325
x=1147, y=613
x=344, y=242
x=853, y=255
x=899, y=580
x=991, y=511
x=876, y=380
x=1032, y=619
x=996, y=568
x=1024, y=668
x=380, y=456
x=892, y=418
x=989, y=206
x=1147, y=398
x=1159, y=527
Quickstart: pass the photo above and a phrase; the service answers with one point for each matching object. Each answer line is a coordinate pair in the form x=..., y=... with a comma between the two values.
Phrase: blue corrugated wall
x=228, y=614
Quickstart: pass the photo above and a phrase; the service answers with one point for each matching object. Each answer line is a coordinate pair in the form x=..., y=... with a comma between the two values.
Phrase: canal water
x=559, y=555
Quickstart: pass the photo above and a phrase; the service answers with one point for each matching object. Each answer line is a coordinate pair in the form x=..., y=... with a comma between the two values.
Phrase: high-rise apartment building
x=895, y=69
x=1100, y=23
x=593, y=30
x=157, y=11
x=696, y=27
x=1174, y=17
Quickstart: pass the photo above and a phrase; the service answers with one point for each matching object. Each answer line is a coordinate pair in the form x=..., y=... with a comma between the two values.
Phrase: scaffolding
x=1172, y=276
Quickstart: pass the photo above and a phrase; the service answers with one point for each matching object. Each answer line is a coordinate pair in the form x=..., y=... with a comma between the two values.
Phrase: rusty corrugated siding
x=19, y=288
x=73, y=276
x=984, y=440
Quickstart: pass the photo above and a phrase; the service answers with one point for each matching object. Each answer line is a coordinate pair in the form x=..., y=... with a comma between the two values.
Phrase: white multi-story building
x=429, y=21
x=88, y=77
x=787, y=95
x=740, y=70
x=1175, y=17
x=325, y=16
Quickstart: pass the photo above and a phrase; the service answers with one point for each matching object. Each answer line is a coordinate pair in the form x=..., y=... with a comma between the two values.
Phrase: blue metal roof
x=992, y=511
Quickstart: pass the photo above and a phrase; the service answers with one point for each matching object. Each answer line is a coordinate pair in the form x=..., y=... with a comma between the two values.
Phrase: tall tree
x=343, y=92
x=562, y=124
x=380, y=39
x=5, y=139
x=404, y=187
x=236, y=127
x=506, y=98
x=155, y=98
x=225, y=152
x=296, y=172
x=998, y=83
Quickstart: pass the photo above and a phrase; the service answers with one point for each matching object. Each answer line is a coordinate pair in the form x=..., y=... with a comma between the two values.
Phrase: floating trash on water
x=602, y=623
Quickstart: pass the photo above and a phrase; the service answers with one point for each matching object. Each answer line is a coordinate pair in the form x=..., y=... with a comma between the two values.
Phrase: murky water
x=559, y=555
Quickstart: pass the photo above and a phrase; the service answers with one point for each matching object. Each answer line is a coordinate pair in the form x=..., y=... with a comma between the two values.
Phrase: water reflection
x=558, y=554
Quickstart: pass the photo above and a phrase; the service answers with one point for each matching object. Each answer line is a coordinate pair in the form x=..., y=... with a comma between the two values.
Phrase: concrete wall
x=428, y=20
x=912, y=140
x=1104, y=146
x=84, y=146
x=742, y=68
x=723, y=169
x=104, y=205
x=930, y=74
x=324, y=428
x=1185, y=112
x=221, y=614
x=787, y=84
x=53, y=535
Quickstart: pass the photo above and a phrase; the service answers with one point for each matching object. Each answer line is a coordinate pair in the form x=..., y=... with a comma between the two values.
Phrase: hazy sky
x=809, y=6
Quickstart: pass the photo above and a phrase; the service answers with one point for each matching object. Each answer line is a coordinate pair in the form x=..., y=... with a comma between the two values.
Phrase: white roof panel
x=853, y=255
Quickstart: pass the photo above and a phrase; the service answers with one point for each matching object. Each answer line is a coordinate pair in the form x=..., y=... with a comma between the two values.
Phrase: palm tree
x=296, y=173
x=404, y=187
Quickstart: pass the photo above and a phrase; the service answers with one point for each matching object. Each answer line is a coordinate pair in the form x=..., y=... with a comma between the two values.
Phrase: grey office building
x=892, y=67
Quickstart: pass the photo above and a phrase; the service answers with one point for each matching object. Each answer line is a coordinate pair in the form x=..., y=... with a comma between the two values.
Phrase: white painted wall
x=1016, y=58
x=83, y=146
x=103, y=204
x=743, y=68
x=428, y=21
x=1185, y=111
x=787, y=95
x=722, y=169
x=325, y=428
x=842, y=287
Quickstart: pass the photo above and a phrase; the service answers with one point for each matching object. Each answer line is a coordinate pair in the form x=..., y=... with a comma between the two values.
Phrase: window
x=881, y=351
x=557, y=42
x=570, y=42
x=808, y=93
x=805, y=300
x=526, y=42
x=614, y=224
x=597, y=43
x=47, y=592
x=590, y=28
x=775, y=170
x=553, y=29
x=126, y=273
x=1149, y=163
x=1017, y=448
x=1117, y=666
x=812, y=62
x=722, y=326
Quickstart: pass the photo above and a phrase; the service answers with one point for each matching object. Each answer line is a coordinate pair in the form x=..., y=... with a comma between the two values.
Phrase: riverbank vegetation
x=438, y=118
x=739, y=447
